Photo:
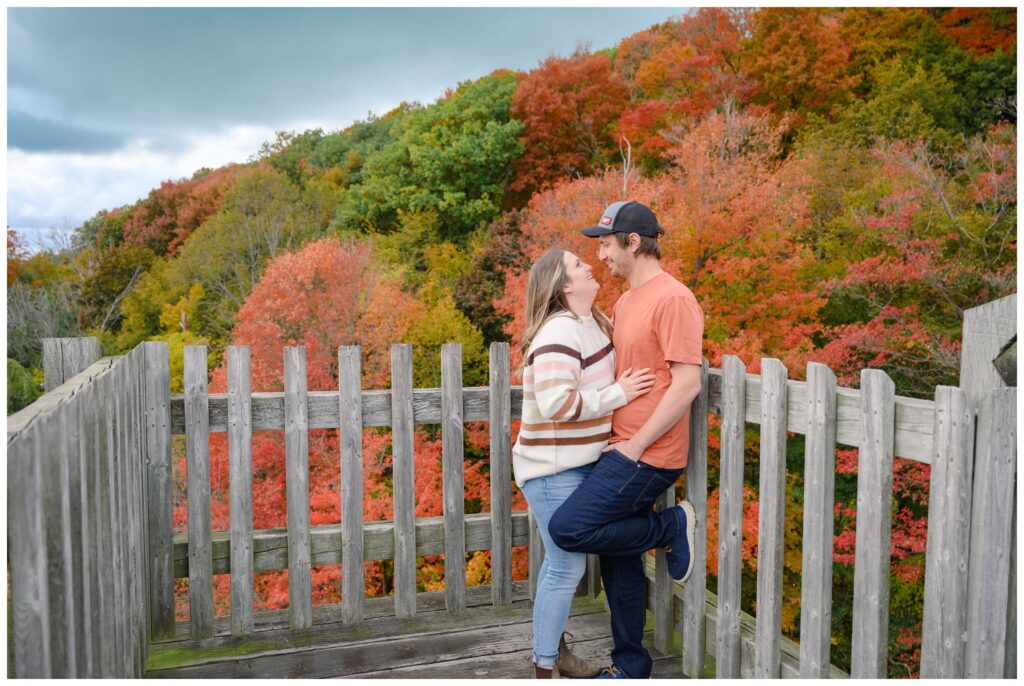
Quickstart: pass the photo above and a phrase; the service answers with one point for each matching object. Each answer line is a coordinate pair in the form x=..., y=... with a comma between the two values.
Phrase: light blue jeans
x=561, y=571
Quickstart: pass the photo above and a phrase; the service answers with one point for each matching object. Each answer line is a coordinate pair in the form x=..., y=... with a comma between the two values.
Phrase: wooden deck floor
x=481, y=642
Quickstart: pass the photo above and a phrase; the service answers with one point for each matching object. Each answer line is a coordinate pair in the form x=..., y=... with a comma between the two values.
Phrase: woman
x=569, y=393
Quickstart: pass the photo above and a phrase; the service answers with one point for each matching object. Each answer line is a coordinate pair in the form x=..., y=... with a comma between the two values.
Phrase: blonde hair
x=545, y=297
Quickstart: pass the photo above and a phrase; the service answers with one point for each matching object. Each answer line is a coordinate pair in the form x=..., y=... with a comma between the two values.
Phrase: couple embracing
x=605, y=432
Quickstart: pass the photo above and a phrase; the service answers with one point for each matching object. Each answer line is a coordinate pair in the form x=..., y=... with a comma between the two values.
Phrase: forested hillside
x=838, y=185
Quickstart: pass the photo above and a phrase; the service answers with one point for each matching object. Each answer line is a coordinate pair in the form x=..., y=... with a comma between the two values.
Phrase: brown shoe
x=572, y=667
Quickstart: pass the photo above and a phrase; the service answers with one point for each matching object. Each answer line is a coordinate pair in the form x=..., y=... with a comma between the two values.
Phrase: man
x=658, y=325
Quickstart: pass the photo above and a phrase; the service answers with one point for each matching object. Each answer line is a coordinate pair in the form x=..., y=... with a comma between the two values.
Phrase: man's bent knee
x=565, y=533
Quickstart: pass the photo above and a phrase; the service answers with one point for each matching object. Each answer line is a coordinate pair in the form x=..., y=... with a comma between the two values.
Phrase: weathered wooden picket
x=93, y=557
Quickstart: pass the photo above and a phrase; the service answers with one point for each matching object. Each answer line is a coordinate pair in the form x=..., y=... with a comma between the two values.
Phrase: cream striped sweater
x=569, y=393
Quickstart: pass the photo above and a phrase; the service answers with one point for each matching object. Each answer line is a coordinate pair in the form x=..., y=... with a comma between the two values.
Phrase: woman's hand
x=636, y=384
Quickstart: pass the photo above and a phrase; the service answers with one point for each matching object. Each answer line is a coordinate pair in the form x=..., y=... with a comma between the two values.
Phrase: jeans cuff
x=545, y=661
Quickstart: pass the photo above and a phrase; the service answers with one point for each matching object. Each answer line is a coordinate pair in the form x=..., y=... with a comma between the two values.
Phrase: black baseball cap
x=625, y=217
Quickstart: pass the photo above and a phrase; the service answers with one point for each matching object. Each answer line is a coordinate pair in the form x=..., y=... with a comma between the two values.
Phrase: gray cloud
x=103, y=104
x=32, y=134
x=144, y=71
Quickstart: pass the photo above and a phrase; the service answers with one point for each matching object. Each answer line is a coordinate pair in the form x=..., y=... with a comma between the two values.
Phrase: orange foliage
x=800, y=59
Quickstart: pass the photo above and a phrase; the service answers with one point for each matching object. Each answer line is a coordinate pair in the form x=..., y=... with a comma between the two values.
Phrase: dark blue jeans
x=611, y=515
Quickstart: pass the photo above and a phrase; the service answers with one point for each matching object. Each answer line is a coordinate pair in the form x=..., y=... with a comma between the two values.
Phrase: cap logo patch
x=606, y=220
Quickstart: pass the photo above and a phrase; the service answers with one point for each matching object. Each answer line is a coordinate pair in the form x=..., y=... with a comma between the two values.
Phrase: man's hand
x=627, y=448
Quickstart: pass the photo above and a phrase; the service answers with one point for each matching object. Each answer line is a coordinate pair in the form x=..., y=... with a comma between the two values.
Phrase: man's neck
x=644, y=270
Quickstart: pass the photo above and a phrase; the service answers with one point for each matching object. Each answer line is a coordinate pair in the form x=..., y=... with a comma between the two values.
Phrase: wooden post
x=991, y=534
x=159, y=497
x=987, y=328
x=240, y=493
x=197, y=449
x=874, y=527
x=694, y=592
x=771, y=520
x=404, y=478
x=452, y=476
x=350, y=441
x=944, y=627
x=730, y=528
x=500, y=415
x=26, y=541
x=63, y=358
x=296, y=439
x=819, y=502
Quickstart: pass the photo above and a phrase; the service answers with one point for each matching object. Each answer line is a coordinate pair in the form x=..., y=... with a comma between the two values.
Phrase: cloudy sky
x=104, y=104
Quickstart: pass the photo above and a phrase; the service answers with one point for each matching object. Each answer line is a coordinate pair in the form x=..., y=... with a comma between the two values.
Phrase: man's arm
x=673, y=405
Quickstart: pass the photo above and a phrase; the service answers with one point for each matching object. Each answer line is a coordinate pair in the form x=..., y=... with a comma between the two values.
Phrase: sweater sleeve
x=557, y=364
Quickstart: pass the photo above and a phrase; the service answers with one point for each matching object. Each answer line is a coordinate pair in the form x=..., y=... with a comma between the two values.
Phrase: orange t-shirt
x=656, y=323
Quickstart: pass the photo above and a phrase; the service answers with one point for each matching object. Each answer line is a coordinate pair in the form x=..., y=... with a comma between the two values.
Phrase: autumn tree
x=800, y=60
x=173, y=211
x=567, y=106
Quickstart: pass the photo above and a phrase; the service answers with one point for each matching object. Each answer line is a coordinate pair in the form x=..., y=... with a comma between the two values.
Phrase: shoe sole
x=691, y=528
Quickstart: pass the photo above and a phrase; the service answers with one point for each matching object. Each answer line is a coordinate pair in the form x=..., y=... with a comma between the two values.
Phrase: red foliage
x=982, y=30
x=567, y=105
x=173, y=211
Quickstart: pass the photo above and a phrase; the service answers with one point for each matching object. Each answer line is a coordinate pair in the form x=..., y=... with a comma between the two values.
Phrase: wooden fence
x=93, y=557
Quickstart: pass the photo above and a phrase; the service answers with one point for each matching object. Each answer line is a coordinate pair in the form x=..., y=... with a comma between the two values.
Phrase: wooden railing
x=93, y=557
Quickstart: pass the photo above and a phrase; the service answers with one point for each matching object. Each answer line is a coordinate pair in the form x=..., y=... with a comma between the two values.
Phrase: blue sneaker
x=679, y=553
x=612, y=672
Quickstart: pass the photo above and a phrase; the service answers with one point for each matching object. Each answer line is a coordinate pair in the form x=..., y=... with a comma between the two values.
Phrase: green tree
x=22, y=389
x=453, y=157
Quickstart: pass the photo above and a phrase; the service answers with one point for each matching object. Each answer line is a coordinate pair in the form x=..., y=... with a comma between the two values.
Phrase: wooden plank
x=26, y=557
x=730, y=527
x=240, y=467
x=353, y=577
x=874, y=527
x=268, y=408
x=1010, y=666
x=771, y=520
x=159, y=496
x=536, y=556
x=991, y=527
x=71, y=436
x=81, y=522
x=663, y=610
x=57, y=518
x=819, y=502
x=913, y=437
x=197, y=450
x=403, y=471
x=109, y=592
x=91, y=547
x=694, y=617
x=452, y=449
x=137, y=524
x=270, y=546
x=296, y=439
x=334, y=655
x=500, y=406
x=121, y=552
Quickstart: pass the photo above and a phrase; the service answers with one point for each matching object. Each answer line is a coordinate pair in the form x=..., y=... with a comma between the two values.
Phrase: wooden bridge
x=93, y=560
